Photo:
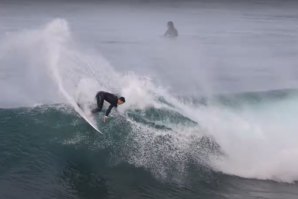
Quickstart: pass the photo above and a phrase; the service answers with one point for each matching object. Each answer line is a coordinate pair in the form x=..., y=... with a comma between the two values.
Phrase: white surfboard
x=87, y=115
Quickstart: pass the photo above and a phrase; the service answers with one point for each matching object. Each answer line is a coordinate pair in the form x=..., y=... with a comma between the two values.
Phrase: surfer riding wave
x=114, y=101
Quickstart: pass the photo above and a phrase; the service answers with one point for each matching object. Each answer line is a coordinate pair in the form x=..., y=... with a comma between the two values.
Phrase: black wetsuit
x=111, y=98
x=171, y=32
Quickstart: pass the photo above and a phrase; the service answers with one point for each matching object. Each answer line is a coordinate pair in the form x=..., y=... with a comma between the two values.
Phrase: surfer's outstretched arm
x=107, y=113
x=109, y=110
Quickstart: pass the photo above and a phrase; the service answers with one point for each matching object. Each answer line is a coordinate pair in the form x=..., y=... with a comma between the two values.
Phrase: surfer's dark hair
x=122, y=99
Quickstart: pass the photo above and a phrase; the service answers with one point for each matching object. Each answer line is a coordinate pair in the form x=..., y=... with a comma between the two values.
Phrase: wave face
x=51, y=150
x=251, y=135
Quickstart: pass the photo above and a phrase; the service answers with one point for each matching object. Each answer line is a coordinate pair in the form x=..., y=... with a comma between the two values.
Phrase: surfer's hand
x=105, y=119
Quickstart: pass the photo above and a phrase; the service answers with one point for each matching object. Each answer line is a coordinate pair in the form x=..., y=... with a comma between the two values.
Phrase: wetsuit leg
x=99, y=100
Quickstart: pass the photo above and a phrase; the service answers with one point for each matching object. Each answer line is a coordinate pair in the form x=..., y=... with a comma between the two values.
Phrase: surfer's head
x=170, y=24
x=121, y=100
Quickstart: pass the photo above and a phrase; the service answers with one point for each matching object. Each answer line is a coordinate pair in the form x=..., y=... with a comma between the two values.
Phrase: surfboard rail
x=89, y=120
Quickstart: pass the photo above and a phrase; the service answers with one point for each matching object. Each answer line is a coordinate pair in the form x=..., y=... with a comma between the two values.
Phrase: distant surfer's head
x=170, y=24
x=121, y=100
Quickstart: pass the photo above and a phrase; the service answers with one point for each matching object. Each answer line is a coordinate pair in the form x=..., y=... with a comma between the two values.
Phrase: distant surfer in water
x=109, y=97
x=172, y=31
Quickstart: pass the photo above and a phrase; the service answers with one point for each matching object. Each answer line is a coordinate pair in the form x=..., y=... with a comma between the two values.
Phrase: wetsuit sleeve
x=109, y=110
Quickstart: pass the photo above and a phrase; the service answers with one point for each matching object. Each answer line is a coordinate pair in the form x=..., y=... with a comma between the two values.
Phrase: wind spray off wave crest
x=25, y=58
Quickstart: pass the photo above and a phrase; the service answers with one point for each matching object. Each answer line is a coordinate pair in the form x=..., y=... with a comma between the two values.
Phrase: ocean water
x=210, y=114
